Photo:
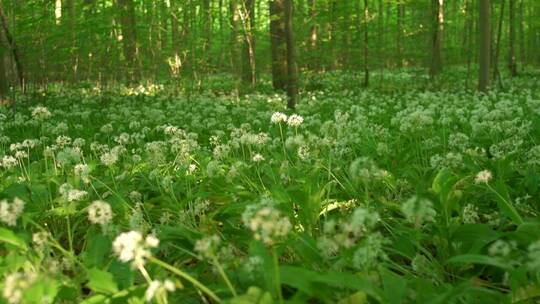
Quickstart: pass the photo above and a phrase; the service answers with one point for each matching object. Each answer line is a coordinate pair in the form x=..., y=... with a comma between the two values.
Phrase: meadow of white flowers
x=358, y=196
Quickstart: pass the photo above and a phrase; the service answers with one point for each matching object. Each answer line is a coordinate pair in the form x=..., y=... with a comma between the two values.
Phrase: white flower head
x=15, y=285
x=295, y=120
x=41, y=113
x=278, y=117
x=483, y=177
x=159, y=289
x=10, y=212
x=100, y=212
x=132, y=247
x=257, y=158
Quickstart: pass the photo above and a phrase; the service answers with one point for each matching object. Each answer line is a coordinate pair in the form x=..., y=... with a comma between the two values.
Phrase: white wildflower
x=132, y=247
x=295, y=120
x=100, y=212
x=278, y=117
x=257, y=158
x=159, y=289
x=483, y=177
x=9, y=213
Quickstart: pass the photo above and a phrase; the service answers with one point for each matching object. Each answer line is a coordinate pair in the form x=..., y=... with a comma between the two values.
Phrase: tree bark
x=3, y=78
x=437, y=11
x=366, y=43
x=129, y=38
x=292, y=70
x=13, y=47
x=512, y=66
x=247, y=15
x=236, y=39
x=497, y=50
x=399, y=38
x=278, y=44
x=485, y=44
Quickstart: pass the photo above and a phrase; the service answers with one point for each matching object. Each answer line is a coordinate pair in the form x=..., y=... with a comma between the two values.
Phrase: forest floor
x=396, y=194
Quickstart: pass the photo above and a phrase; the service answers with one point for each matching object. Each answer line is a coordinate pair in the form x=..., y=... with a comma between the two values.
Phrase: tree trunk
x=313, y=34
x=236, y=39
x=13, y=47
x=278, y=44
x=512, y=38
x=292, y=70
x=366, y=43
x=399, y=38
x=129, y=38
x=247, y=15
x=495, y=63
x=437, y=11
x=485, y=44
x=3, y=78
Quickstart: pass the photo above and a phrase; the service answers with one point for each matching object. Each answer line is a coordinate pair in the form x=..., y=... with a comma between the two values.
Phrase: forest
x=269, y=151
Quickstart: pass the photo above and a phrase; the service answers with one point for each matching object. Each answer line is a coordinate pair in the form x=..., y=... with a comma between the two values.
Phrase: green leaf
x=99, y=247
x=478, y=259
x=7, y=236
x=505, y=202
x=101, y=281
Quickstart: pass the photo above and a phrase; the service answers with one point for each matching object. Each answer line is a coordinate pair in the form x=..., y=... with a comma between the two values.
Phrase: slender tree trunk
x=512, y=38
x=292, y=69
x=129, y=38
x=437, y=11
x=485, y=44
x=278, y=44
x=495, y=63
x=3, y=78
x=313, y=34
x=236, y=40
x=366, y=42
x=247, y=15
x=399, y=38
x=13, y=47
x=522, y=50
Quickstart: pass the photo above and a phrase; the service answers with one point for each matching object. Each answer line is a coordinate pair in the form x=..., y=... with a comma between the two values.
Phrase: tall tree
x=247, y=16
x=235, y=41
x=437, y=15
x=366, y=42
x=512, y=38
x=129, y=38
x=485, y=44
x=278, y=44
x=3, y=78
x=12, y=46
x=292, y=69
x=399, y=38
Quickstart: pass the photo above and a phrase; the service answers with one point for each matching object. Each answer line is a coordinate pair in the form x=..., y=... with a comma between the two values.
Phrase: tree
x=13, y=47
x=247, y=16
x=485, y=44
x=3, y=78
x=366, y=43
x=129, y=38
x=292, y=70
x=437, y=15
x=512, y=38
x=278, y=43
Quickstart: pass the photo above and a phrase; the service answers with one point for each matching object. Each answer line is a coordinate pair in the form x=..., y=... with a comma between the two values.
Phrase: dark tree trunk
x=437, y=15
x=13, y=47
x=512, y=38
x=129, y=38
x=247, y=15
x=278, y=44
x=292, y=70
x=485, y=44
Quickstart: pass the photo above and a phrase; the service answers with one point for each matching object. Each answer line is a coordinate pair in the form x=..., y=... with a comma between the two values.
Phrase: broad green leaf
x=101, y=281
x=7, y=236
x=478, y=259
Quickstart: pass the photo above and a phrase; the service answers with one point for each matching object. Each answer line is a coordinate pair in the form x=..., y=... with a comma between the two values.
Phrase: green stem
x=224, y=276
x=187, y=277
x=277, y=275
